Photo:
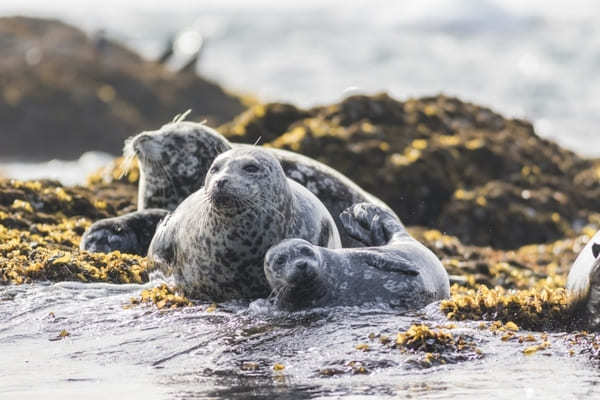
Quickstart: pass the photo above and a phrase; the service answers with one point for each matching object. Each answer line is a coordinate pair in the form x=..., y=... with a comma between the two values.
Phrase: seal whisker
x=128, y=156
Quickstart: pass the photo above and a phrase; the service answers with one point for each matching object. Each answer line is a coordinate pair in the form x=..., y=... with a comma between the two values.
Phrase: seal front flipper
x=130, y=233
x=161, y=252
x=388, y=262
x=370, y=224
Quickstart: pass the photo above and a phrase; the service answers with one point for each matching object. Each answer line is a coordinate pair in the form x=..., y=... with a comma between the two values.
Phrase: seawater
x=143, y=353
x=535, y=59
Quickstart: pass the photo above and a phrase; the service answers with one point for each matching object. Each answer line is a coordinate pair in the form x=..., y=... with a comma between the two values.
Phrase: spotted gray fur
x=173, y=161
x=215, y=241
x=396, y=270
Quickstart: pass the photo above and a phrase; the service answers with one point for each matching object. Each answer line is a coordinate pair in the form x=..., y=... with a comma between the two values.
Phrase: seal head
x=251, y=178
x=291, y=263
x=173, y=161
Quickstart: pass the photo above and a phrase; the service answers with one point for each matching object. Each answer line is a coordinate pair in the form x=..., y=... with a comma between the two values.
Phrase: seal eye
x=214, y=169
x=305, y=251
x=118, y=229
x=252, y=168
x=280, y=260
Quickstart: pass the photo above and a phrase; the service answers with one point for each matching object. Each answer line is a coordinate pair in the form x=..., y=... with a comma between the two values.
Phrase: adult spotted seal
x=583, y=284
x=216, y=239
x=174, y=161
x=397, y=270
x=130, y=233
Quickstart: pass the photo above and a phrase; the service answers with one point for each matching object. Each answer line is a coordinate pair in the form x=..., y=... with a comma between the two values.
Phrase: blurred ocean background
x=534, y=59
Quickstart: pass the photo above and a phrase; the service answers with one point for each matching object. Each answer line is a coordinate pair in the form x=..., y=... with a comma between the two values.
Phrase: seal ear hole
x=252, y=168
x=596, y=250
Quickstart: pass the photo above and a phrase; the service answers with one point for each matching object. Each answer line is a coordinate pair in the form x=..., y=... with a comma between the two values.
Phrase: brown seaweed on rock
x=440, y=162
x=41, y=223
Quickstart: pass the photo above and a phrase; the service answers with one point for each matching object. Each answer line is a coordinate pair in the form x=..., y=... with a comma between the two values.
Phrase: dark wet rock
x=61, y=94
x=442, y=163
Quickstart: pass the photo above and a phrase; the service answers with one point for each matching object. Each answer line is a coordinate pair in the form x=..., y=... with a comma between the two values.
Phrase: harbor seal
x=215, y=241
x=396, y=270
x=130, y=233
x=583, y=284
x=174, y=161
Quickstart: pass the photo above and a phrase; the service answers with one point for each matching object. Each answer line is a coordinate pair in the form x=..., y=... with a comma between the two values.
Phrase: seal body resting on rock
x=583, y=284
x=397, y=270
x=216, y=239
x=130, y=233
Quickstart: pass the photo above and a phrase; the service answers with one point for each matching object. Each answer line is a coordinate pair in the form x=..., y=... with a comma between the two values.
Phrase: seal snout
x=221, y=183
x=147, y=146
x=301, y=265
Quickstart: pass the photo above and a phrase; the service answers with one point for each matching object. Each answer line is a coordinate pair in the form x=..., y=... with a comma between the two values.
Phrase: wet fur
x=396, y=270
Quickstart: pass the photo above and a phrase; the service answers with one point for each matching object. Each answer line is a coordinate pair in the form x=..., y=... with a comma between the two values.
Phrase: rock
x=442, y=163
x=62, y=94
x=41, y=223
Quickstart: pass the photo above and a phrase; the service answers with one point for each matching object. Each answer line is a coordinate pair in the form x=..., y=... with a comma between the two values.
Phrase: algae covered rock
x=442, y=163
x=41, y=223
x=63, y=93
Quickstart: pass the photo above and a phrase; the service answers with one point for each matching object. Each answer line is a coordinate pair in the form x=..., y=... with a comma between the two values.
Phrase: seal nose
x=301, y=265
x=221, y=183
x=143, y=145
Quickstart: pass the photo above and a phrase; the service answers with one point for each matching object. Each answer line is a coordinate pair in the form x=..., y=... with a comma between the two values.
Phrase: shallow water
x=189, y=353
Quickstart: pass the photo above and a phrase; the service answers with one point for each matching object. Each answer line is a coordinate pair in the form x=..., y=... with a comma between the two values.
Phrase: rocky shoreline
x=515, y=226
x=505, y=210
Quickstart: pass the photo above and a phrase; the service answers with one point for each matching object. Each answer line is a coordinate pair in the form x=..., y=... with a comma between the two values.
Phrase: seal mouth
x=300, y=272
x=220, y=199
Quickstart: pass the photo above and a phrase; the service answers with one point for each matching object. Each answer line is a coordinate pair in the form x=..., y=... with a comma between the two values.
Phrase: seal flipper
x=130, y=233
x=161, y=252
x=370, y=224
x=387, y=262
x=596, y=249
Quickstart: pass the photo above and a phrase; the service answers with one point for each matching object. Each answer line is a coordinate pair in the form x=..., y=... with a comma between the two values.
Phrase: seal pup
x=396, y=270
x=215, y=241
x=174, y=161
x=130, y=233
x=583, y=284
